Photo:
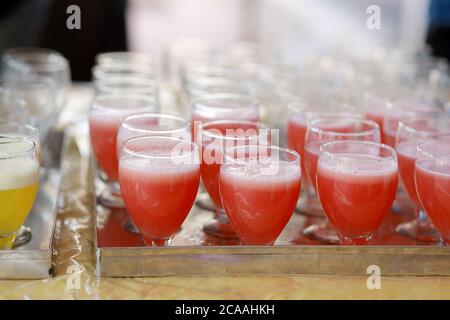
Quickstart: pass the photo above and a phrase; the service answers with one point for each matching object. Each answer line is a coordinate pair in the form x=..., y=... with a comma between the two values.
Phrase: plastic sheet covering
x=74, y=261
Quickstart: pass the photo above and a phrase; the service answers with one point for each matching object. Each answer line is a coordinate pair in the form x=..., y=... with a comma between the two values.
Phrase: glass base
x=110, y=200
x=23, y=237
x=204, y=202
x=220, y=227
x=356, y=241
x=419, y=230
x=309, y=210
x=7, y=240
x=129, y=226
x=157, y=242
x=322, y=232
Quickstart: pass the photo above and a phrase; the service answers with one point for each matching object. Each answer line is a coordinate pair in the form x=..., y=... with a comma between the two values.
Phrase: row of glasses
x=41, y=78
x=216, y=136
x=124, y=83
x=236, y=112
x=326, y=129
x=411, y=131
x=259, y=184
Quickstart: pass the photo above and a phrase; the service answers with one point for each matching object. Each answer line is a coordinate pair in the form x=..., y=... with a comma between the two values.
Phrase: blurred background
x=293, y=26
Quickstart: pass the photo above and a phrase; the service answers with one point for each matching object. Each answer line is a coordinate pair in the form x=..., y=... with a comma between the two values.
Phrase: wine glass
x=299, y=114
x=159, y=178
x=432, y=180
x=105, y=116
x=150, y=124
x=224, y=106
x=410, y=133
x=327, y=129
x=259, y=188
x=356, y=184
x=27, y=63
x=215, y=137
x=18, y=185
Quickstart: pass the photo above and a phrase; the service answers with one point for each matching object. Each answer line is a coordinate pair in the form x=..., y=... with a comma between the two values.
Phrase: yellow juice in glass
x=18, y=189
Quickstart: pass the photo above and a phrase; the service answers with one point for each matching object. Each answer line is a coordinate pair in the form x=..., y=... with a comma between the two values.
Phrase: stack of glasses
x=35, y=86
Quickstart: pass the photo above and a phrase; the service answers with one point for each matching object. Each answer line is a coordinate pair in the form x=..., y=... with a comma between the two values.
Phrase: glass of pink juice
x=410, y=133
x=216, y=136
x=402, y=109
x=356, y=184
x=150, y=124
x=322, y=130
x=223, y=106
x=159, y=178
x=298, y=118
x=105, y=115
x=432, y=177
x=259, y=187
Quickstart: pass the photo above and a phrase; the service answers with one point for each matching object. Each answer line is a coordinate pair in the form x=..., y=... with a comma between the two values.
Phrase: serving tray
x=33, y=260
x=121, y=253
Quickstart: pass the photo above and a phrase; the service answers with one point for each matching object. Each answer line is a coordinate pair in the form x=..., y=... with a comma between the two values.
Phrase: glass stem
x=157, y=242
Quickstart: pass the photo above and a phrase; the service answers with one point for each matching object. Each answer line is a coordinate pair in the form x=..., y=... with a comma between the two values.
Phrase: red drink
x=433, y=186
x=330, y=129
x=157, y=186
x=223, y=107
x=103, y=131
x=375, y=115
x=357, y=201
x=158, y=198
x=104, y=120
x=433, y=182
x=259, y=206
x=407, y=153
x=217, y=136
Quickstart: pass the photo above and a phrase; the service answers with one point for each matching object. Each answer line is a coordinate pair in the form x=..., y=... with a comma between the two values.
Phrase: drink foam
x=18, y=172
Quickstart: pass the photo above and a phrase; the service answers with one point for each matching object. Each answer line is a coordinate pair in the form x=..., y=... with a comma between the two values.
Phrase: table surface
x=74, y=263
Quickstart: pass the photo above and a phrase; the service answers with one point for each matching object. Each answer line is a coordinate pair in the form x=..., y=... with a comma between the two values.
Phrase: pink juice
x=355, y=201
x=310, y=160
x=433, y=188
x=296, y=132
x=260, y=206
x=407, y=153
x=213, y=149
x=377, y=116
x=103, y=131
x=158, y=196
x=201, y=116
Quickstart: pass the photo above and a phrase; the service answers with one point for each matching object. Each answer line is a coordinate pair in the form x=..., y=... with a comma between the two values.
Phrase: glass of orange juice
x=18, y=185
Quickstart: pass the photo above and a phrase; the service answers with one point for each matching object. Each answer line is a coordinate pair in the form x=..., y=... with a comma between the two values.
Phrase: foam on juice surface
x=363, y=167
x=18, y=173
x=275, y=171
x=158, y=166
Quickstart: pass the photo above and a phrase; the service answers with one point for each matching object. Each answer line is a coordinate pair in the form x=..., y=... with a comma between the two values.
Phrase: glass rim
x=194, y=148
x=113, y=70
x=209, y=134
x=434, y=138
x=116, y=80
x=128, y=126
x=53, y=61
x=295, y=154
x=150, y=101
x=403, y=123
x=203, y=102
x=393, y=153
x=13, y=155
x=33, y=131
x=361, y=120
x=109, y=57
